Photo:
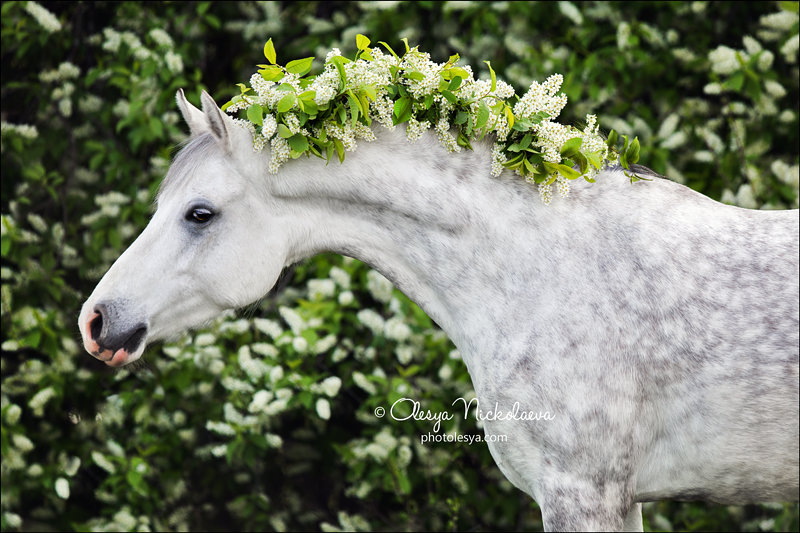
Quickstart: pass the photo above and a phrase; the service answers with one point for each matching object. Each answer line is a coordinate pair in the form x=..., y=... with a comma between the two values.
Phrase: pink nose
x=112, y=345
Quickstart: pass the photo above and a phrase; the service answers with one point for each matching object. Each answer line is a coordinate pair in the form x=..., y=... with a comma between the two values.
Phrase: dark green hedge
x=265, y=420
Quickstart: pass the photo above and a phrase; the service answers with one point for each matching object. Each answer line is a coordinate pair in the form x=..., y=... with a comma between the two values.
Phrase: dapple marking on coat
x=659, y=327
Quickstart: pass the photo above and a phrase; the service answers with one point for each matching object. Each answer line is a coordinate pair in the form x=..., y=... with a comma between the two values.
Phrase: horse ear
x=193, y=117
x=217, y=121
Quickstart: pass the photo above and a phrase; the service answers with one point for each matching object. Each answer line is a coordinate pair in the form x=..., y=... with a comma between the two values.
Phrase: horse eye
x=199, y=215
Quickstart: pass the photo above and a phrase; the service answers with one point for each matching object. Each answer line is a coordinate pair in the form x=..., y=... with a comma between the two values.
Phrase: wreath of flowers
x=325, y=114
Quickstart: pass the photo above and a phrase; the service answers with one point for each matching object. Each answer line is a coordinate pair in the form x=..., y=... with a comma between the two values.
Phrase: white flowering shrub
x=266, y=419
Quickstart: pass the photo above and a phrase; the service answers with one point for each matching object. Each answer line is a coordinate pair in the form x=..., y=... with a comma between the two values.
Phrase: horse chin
x=122, y=358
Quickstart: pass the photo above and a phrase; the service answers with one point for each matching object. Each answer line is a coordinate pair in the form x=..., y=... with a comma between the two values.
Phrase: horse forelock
x=192, y=154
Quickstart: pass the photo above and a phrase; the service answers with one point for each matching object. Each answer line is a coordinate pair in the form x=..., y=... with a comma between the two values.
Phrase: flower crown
x=300, y=114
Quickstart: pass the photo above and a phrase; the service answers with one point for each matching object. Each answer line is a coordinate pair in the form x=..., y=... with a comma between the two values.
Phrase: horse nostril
x=134, y=340
x=96, y=326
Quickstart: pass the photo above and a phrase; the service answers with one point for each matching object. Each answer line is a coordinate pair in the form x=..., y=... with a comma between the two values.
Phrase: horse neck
x=461, y=244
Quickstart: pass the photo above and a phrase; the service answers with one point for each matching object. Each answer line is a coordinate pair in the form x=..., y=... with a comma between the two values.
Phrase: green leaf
x=354, y=106
x=539, y=177
x=301, y=67
x=298, y=142
x=571, y=147
x=521, y=124
x=415, y=75
x=594, y=159
x=310, y=107
x=514, y=162
x=612, y=138
x=405, y=42
x=339, y=149
x=564, y=170
x=494, y=76
x=509, y=116
x=458, y=71
x=402, y=109
x=483, y=115
x=535, y=156
x=526, y=141
x=462, y=140
x=461, y=117
x=370, y=92
x=450, y=97
x=213, y=21
x=402, y=481
x=735, y=82
x=455, y=83
x=537, y=118
x=633, y=152
x=635, y=177
x=388, y=48
x=364, y=103
x=362, y=42
x=338, y=62
x=284, y=131
x=286, y=103
x=272, y=73
x=255, y=114
x=527, y=165
x=314, y=151
x=269, y=51
x=583, y=164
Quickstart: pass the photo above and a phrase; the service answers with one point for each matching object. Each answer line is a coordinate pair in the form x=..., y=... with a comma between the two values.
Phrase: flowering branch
x=325, y=114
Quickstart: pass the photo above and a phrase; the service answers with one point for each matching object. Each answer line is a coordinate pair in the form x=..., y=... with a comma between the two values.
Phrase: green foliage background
x=228, y=428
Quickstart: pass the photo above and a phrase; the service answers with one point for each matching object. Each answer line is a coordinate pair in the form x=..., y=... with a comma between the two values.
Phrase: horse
x=658, y=326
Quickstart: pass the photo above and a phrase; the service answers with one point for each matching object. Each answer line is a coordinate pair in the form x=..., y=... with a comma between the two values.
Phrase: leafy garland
x=325, y=114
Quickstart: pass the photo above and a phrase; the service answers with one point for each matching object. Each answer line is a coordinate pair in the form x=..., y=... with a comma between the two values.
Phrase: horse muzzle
x=111, y=333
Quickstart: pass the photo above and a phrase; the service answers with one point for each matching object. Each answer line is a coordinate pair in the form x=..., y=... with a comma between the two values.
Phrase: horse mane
x=190, y=154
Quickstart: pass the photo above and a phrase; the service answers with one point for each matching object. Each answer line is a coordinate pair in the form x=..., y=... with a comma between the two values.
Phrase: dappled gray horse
x=659, y=327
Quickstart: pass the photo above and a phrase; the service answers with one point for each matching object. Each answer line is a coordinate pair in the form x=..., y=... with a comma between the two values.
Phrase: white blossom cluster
x=23, y=130
x=45, y=18
x=65, y=71
x=372, y=320
x=379, y=286
x=542, y=98
x=724, y=61
x=161, y=37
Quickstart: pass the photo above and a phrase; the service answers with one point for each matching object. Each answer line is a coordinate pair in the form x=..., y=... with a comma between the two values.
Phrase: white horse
x=659, y=327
